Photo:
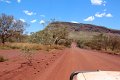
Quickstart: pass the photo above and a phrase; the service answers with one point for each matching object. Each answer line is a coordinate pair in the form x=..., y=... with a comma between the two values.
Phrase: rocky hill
x=82, y=27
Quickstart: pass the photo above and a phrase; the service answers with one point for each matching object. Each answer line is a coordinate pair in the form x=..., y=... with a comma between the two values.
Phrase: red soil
x=55, y=66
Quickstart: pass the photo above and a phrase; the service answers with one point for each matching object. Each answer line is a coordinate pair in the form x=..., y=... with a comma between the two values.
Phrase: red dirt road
x=63, y=64
x=76, y=59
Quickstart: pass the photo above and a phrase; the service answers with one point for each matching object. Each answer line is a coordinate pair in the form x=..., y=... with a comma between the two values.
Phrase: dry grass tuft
x=33, y=46
x=2, y=59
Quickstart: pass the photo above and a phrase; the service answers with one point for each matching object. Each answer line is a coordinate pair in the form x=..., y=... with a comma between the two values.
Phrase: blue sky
x=36, y=12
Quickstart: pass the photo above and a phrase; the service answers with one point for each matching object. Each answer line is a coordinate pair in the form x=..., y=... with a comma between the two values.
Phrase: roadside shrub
x=34, y=46
x=114, y=43
x=99, y=42
x=68, y=43
x=4, y=47
x=2, y=59
x=80, y=44
x=61, y=41
x=56, y=47
x=105, y=42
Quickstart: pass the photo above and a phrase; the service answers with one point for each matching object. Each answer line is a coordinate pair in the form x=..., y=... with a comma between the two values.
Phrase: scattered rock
x=42, y=59
x=54, y=55
x=38, y=62
x=7, y=64
x=47, y=63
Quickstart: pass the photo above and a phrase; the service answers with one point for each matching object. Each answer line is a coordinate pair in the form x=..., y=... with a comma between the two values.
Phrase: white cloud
x=18, y=1
x=100, y=14
x=103, y=15
x=98, y=2
x=91, y=18
x=42, y=22
x=33, y=21
x=42, y=15
x=74, y=22
x=29, y=13
x=109, y=15
x=7, y=1
x=22, y=20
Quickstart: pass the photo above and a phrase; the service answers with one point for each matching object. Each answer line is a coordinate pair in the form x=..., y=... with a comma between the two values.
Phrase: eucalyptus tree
x=9, y=27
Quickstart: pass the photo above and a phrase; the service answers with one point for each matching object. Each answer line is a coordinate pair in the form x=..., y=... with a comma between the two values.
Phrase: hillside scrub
x=82, y=35
x=51, y=35
x=106, y=42
x=110, y=43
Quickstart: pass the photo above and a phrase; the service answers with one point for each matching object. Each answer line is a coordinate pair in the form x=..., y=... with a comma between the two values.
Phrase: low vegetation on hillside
x=104, y=42
x=51, y=35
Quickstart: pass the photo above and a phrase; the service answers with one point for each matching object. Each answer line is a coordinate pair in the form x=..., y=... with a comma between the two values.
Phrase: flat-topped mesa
x=82, y=27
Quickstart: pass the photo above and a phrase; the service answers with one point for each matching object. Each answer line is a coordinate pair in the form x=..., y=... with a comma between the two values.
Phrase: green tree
x=9, y=27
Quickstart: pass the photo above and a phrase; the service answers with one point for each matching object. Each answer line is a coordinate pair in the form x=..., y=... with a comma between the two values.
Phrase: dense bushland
x=106, y=42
